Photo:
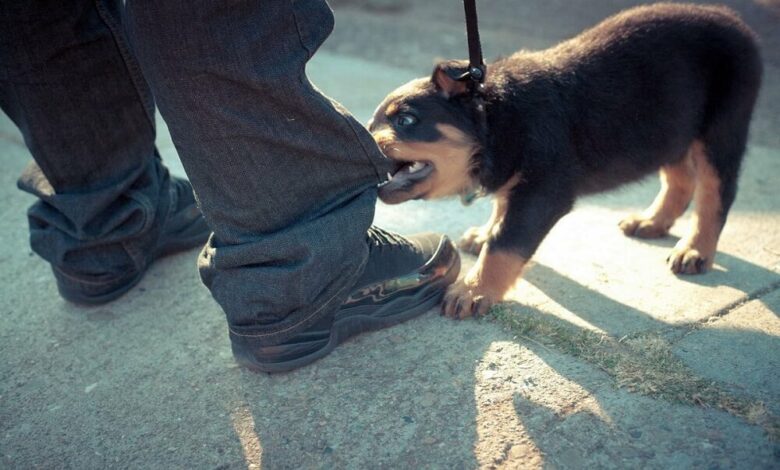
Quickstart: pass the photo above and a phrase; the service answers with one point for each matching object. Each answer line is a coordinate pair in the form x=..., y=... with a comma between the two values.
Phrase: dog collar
x=473, y=194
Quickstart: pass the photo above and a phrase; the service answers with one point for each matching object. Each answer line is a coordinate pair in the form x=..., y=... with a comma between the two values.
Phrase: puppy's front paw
x=473, y=240
x=687, y=259
x=636, y=225
x=463, y=300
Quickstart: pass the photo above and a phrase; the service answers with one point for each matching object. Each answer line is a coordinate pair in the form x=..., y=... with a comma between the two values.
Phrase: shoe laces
x=379, y=238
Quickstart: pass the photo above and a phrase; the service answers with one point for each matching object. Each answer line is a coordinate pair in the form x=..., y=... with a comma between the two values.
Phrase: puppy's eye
x=404, y=119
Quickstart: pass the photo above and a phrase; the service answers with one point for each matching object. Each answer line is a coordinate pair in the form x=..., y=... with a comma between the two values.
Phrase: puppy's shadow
x=433, y=392
x=728, y=270
x=723, y=354
x=639, y=431
x=601, y=311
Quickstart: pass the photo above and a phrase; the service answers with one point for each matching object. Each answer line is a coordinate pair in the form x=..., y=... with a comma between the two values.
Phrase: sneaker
x=403, y=278
x=183, y=228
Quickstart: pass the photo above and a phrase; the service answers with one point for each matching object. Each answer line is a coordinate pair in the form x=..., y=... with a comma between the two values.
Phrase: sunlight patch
x=244, y=425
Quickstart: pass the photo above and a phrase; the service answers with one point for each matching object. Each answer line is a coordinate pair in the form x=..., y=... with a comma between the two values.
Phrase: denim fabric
x=66, y=83
x=284, y=176
x=103, y=233
x=69, y=83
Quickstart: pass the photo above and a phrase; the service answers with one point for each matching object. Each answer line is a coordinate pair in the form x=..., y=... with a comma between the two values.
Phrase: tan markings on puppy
x=485, y=284
x=695, y=252
x=384, y=139
x=677, y=185
x=391, y=109
x=450, y=157
x=475, y=237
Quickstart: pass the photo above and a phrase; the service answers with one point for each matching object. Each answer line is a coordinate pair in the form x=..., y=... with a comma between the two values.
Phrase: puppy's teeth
x=389, y=176
x=417, y=166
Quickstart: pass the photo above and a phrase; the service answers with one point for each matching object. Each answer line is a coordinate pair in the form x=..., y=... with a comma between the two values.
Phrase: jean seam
x=133, y=69
x=308, y=317
x=309, y=52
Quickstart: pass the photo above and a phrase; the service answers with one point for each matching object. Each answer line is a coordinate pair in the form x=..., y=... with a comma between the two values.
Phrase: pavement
x=600, y=359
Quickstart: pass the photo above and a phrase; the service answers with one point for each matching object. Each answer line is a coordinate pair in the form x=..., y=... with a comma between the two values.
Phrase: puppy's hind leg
x=694, y=253
x=718, y=156
x=678, y=182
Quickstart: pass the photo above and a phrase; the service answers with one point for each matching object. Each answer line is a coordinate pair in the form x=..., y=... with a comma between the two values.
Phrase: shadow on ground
x=413, y=395
x=480, y=395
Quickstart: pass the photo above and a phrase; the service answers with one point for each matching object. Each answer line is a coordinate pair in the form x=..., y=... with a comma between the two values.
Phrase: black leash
x=476, y=71
x=476, y=75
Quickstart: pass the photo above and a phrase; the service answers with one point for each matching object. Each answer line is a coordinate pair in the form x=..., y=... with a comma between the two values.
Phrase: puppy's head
x=427, y=127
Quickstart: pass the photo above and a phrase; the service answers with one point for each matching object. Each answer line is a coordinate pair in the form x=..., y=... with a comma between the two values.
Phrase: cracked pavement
x=148, y=381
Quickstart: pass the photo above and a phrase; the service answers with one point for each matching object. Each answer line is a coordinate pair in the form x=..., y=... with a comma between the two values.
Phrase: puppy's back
x=649, y=80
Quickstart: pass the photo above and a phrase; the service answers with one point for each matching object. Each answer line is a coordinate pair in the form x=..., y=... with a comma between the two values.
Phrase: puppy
x=665, y=86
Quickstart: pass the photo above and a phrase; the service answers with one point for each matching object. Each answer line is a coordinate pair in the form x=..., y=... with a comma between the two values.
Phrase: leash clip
x=477, y=73
x=474, y=73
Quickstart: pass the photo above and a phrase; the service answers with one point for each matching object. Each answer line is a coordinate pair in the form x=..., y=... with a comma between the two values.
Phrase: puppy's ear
x=445, y=77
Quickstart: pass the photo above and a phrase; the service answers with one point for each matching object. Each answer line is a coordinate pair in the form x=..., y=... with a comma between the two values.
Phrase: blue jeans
x=284, y=176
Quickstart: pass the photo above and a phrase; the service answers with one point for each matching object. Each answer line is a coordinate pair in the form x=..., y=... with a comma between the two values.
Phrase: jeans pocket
x=314, y=20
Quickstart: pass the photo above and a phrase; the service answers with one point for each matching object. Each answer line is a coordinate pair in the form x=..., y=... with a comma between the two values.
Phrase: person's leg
x=106, y=202
x=284, y=176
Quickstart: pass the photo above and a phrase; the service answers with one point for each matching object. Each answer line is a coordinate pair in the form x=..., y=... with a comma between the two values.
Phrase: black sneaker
x=403, y=278
x=183, y=228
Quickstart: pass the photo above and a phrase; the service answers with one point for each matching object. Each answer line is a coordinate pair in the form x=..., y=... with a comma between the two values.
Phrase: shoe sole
x=406, y=308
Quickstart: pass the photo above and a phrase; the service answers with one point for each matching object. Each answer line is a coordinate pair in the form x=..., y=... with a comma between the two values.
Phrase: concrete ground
x=602, y=358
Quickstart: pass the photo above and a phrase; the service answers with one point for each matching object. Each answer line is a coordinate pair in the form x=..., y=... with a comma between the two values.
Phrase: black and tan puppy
x=666, y=86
